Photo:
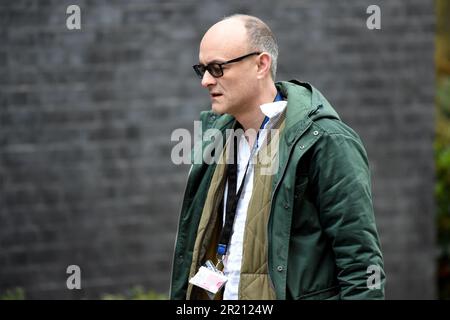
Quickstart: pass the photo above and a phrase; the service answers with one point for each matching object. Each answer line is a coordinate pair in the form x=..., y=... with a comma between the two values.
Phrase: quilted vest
x=255, y=283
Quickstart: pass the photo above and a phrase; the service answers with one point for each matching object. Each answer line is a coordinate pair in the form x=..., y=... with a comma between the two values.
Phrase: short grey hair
x=261, y=38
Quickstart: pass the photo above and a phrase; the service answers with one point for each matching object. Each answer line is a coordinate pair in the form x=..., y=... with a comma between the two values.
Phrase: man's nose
x=208, y=79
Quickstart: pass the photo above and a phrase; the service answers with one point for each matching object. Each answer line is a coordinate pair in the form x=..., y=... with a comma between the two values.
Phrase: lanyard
x=233, y=196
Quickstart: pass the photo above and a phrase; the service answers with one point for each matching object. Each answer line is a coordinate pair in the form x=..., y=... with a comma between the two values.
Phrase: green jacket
x=323, y=241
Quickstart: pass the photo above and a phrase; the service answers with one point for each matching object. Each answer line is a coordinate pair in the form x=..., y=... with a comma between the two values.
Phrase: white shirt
x=233, y=260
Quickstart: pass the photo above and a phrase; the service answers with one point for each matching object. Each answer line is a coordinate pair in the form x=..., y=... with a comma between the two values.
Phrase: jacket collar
x=305, y=104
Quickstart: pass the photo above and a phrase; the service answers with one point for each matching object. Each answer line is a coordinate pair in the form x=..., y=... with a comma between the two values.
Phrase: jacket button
x=302, y=147
x=316, y=133
x=280, y=268
x=286, y=206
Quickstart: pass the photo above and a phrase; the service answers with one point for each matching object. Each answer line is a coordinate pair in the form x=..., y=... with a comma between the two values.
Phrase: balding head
x=259, y=37
x=245, y=33
x=227, y=37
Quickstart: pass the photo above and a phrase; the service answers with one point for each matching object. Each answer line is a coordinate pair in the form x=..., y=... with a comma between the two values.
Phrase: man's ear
x=264, y=62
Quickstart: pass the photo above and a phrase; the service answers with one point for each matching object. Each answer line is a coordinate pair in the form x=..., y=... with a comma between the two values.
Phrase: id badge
x=209, y=279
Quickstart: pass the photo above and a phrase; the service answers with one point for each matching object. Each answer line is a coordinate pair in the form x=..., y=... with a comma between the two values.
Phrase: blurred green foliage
x=136, y=293
x=442, y=144
x=13, y=294
x=442, y=191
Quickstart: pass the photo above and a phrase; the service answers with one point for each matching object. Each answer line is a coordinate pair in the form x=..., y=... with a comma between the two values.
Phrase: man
x=307, y=231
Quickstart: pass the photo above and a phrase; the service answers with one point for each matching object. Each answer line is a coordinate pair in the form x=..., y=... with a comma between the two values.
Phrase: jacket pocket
x=331, y=293
x=300, y=186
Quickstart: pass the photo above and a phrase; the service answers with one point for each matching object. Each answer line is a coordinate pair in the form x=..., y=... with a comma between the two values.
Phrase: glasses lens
x=215, y=70
x=199, y=70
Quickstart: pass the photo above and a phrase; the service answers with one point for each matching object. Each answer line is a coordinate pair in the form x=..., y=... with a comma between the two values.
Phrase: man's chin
x=217, y=109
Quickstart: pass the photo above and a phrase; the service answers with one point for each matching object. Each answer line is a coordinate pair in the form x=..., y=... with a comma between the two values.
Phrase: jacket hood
x=305, y=104
x=305, y=101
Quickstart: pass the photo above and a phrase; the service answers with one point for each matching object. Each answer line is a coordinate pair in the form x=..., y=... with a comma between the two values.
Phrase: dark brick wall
x=86, y=117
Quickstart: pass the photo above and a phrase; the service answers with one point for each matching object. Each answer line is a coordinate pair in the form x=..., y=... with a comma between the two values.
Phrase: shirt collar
x=273, y=109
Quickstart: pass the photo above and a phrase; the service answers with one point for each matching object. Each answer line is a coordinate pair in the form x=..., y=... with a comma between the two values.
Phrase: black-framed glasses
x=215, y=68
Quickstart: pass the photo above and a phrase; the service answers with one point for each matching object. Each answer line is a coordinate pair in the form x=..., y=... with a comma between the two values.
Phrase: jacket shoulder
x=333, y=127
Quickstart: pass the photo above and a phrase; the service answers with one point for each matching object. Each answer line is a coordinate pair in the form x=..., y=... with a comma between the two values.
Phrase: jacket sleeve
x=342, y=188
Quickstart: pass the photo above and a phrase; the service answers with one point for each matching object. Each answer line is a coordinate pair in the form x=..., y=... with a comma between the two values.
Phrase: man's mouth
x=215, y=94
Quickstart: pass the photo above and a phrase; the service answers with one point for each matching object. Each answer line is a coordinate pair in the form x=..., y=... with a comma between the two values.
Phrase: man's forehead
x=221, y=50
x=223, y=41
x=217, y=54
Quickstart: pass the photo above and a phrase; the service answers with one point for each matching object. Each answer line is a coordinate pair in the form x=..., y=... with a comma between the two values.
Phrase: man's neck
x=253, y=117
